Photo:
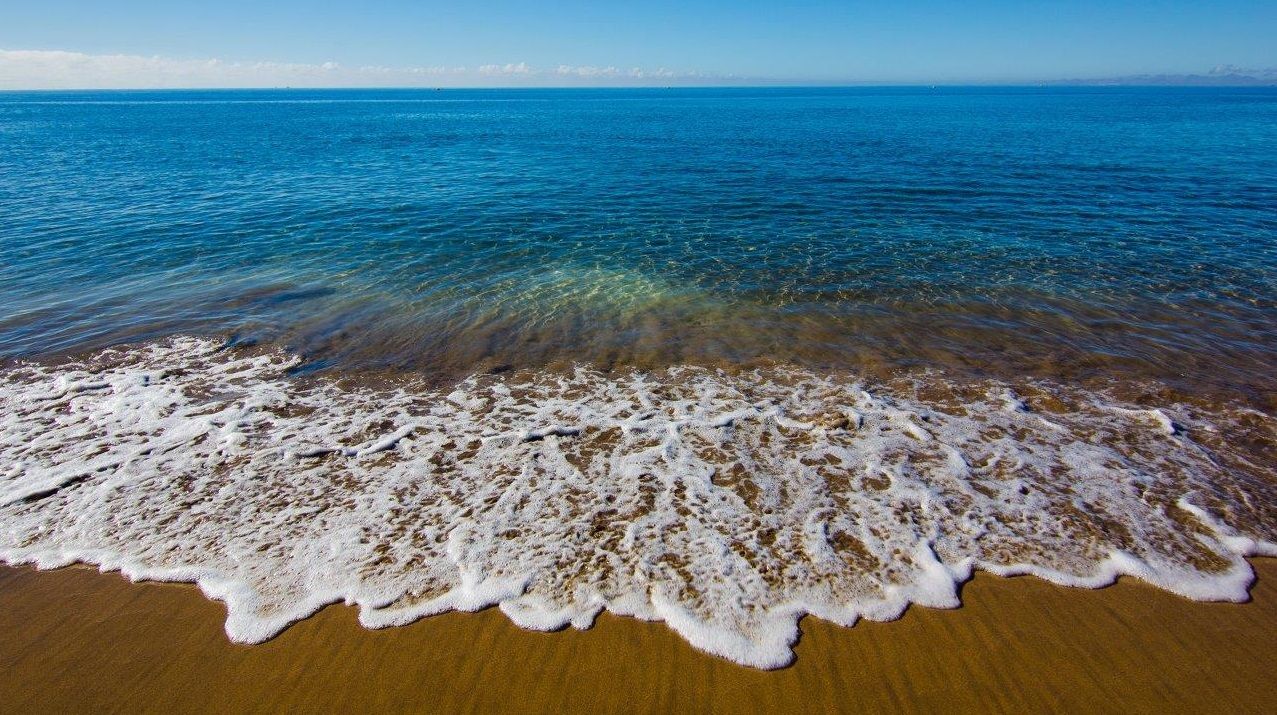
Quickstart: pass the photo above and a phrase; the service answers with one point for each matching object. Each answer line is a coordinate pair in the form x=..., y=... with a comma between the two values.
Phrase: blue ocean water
x=730, y=356
x=1064, y=230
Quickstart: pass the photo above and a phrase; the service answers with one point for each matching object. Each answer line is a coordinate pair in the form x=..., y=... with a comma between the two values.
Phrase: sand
x=77, y=640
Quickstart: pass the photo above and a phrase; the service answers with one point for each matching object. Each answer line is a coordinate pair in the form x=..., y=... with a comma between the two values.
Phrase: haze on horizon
x=235, y=43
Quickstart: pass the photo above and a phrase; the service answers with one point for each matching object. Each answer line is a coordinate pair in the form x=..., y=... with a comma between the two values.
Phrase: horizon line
x=779, y=84
x=66, y=70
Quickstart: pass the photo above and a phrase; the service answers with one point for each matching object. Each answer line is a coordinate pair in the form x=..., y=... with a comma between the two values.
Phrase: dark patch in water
x=46, y=493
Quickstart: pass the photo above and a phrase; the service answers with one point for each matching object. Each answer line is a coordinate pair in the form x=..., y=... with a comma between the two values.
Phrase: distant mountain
x=1221, y=76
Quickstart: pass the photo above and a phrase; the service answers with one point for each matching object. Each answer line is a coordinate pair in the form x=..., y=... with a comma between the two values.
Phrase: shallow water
x=1057, y=229
x=717, y=357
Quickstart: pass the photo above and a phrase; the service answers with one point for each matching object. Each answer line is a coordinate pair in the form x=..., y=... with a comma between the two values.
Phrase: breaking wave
x=725, y=503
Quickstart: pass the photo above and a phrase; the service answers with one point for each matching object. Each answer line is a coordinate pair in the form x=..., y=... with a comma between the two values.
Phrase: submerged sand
x=78, y=640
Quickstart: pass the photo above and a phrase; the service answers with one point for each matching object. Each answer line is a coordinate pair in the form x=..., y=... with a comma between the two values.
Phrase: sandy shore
x=74, y=639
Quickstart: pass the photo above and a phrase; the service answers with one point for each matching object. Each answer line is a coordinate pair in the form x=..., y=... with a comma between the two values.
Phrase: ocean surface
x=717, y=357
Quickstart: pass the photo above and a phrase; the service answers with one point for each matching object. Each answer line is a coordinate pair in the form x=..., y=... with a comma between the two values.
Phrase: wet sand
x=77, y=640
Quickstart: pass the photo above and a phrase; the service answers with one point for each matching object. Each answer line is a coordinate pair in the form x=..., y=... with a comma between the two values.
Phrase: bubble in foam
x=726, y=505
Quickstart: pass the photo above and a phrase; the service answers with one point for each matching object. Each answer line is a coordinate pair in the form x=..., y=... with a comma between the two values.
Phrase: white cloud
x=632, y=73
x=586, y=71
x=59, y=69
x=520, y=68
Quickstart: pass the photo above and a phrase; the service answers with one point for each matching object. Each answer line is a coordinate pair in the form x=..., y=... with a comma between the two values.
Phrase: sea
x=720, y=358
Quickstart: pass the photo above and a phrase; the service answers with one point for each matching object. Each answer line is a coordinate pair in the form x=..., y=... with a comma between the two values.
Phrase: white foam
x=725, y=505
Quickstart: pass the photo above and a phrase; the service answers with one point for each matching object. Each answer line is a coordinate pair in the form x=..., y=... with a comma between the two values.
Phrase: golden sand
x=77, y=640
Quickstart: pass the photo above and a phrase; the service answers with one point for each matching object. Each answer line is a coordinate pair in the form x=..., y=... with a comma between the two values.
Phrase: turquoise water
x=1062, y=230
x=719, y=358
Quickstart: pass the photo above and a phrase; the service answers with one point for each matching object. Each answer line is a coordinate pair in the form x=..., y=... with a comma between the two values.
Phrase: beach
x=77, y=640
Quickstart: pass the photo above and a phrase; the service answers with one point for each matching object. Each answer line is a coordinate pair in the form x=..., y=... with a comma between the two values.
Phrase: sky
x=238, y=43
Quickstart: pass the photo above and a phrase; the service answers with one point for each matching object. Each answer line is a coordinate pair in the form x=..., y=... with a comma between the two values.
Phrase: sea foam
x=727, y=504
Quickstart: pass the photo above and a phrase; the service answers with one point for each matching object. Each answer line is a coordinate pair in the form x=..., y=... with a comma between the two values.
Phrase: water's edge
x=726, y=505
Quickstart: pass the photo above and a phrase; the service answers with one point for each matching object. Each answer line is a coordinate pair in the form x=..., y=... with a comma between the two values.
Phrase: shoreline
x=80, y=639
x=795, y=490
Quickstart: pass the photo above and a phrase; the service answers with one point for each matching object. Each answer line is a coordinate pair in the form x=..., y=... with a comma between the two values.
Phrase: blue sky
x=648, y=42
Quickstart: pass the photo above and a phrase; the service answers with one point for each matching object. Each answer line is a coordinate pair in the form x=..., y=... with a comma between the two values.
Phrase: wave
x=726, y=503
